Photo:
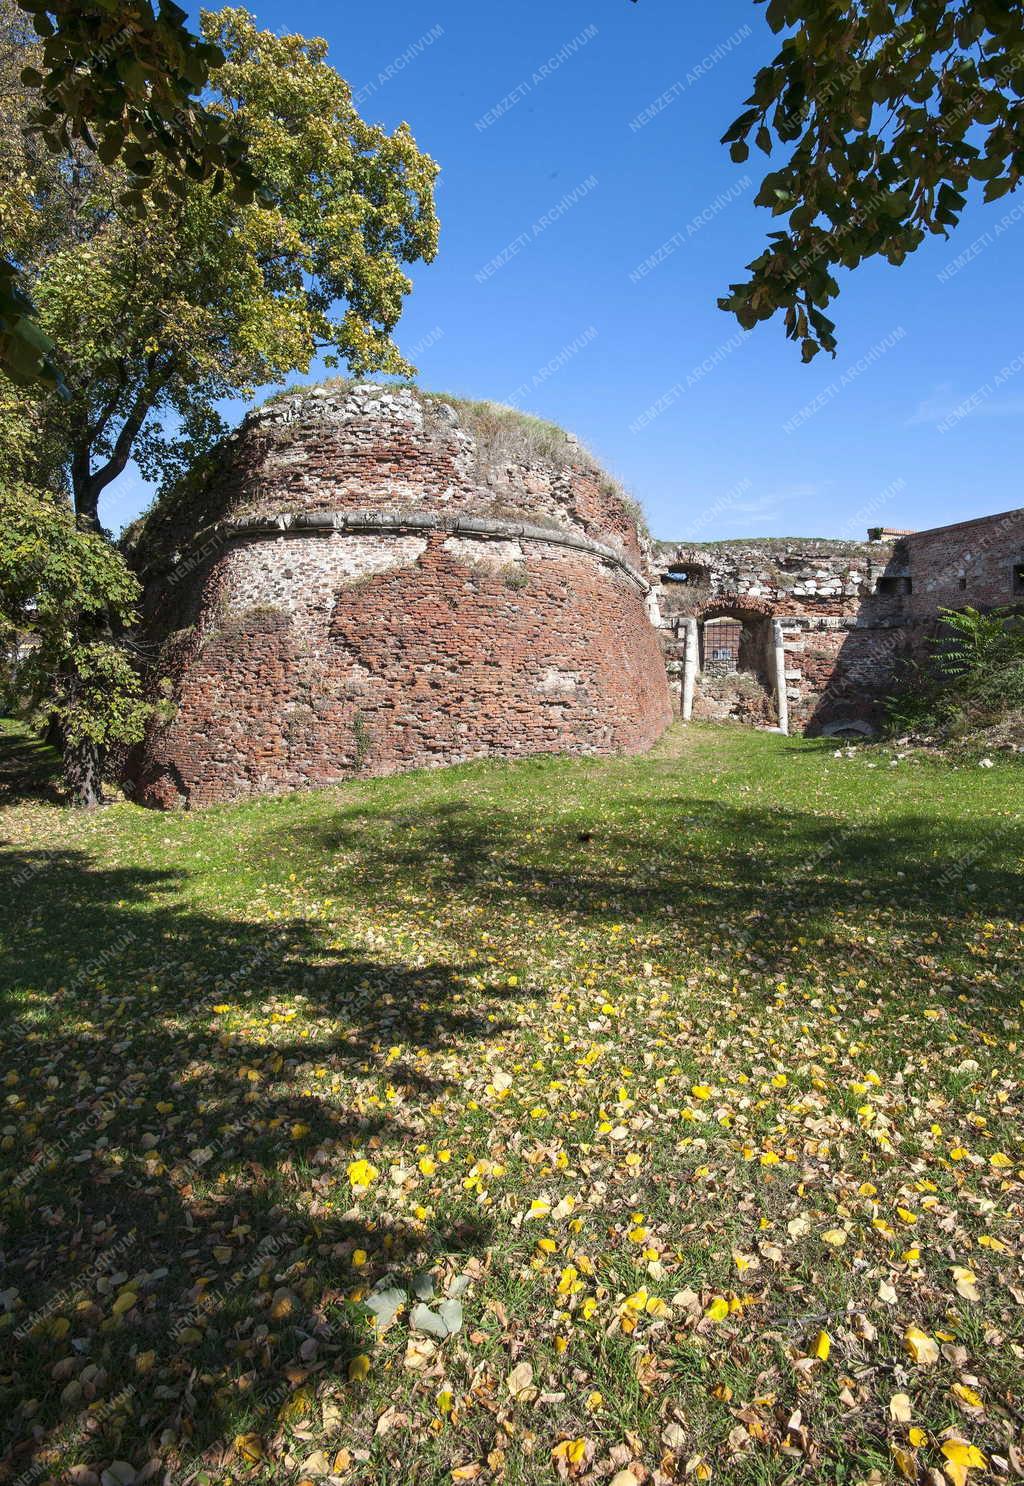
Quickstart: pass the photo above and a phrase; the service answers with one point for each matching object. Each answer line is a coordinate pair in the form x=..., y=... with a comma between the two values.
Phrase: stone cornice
x=319, y=523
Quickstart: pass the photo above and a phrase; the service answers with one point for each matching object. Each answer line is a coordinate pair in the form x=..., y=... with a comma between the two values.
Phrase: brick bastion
x=365, y=579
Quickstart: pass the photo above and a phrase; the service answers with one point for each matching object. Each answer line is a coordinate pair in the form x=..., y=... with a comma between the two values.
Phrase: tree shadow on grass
x=723, y=880
x=184, y=1096
x=29, y=768
x=196, y=1158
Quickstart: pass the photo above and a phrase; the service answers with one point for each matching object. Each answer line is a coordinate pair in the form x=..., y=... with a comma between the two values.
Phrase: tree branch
x=90, y=484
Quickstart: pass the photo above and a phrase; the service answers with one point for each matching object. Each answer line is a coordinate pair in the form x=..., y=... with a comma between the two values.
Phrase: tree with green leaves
x=205, y=296
x=125, y=80
x=67, y=599
x=64, y=596
x=162, y=290
x=888, y=111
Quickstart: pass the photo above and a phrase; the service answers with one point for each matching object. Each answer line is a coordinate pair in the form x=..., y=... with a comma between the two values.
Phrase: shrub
x=973, y=679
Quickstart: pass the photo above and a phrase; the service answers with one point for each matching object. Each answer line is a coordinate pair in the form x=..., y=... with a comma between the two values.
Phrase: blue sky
x=578, y=142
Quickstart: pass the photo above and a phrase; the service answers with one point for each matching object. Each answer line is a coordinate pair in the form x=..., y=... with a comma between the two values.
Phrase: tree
x=206, y=296
x=208, y=293
x=63, y=592
x=124, y=80
x=891, y=110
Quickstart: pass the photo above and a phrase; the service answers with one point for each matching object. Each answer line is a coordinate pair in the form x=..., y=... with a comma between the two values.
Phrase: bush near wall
x=971, y=686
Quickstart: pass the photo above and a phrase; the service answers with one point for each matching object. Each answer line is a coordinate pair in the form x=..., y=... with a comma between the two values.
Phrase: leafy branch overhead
x=125, y=81
x=889, y=112
x=157, y=315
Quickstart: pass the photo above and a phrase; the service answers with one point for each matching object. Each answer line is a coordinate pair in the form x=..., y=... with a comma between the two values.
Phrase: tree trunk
x=83, y=767
x=87, y=484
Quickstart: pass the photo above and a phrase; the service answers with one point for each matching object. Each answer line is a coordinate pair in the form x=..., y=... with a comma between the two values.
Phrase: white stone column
x=690, y=668
x=780, y=676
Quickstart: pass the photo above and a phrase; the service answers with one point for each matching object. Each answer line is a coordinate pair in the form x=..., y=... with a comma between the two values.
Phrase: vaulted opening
x=735, y=664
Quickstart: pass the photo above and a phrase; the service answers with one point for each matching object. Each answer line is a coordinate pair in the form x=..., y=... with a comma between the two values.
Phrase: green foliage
x=210, y=297
x=124, y=80
x=29, y=452
x=26, y=351
x=974, y=678
x=890, y=113
x=62, y=591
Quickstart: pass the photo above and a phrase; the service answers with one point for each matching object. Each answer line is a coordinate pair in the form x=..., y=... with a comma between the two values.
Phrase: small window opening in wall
x=688, y=573
x=961, y=583
x=1018, y=577
x=722, y=638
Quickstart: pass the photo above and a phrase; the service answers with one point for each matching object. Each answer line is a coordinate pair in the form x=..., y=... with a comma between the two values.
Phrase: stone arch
x=736, y=661
x=848, y=727
x=733, y=606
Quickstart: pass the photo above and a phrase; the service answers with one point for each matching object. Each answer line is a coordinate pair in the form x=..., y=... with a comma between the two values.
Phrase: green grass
x=710, y=1008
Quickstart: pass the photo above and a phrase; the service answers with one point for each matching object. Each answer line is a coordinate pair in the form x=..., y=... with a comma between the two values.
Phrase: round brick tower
x=366, y=579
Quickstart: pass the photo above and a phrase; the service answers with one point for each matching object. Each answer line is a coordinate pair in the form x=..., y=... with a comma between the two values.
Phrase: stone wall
x=850, y=612
x=358, y=587
x=842, y=638
x=365, y=579
x=356, y=445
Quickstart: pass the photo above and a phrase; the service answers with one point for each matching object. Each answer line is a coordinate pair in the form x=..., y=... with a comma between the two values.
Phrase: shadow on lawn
x=29, y=767
x=148, y=1144
x=721, y=877
x=238, y=1229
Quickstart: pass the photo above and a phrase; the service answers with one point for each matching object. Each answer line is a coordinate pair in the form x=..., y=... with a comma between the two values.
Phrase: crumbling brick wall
x=346, y=594
x=842, y=637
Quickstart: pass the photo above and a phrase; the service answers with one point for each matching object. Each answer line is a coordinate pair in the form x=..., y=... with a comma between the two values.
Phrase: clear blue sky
x=561, y=328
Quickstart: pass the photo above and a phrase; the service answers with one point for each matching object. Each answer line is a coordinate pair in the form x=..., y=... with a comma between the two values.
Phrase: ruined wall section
x=842, y=638
x=345, y=613
x=362, y=445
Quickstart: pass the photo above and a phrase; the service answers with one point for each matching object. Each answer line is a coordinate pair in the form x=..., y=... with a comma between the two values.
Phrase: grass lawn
x=685, y=1092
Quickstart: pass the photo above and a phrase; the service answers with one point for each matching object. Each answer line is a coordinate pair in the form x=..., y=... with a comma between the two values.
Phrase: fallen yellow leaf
x=959, y=1452
x=966, y=1282
x=362, y=1173
x=923, y=1348
x=249, y=1446
x=968, y=1396
x=900, y=1408
x=905, y=1462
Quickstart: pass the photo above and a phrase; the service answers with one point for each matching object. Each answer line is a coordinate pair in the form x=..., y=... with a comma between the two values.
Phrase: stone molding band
x=316, y=523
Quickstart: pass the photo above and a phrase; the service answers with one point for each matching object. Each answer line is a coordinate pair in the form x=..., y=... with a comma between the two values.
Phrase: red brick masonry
x=366, y=579
x=301, y=656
